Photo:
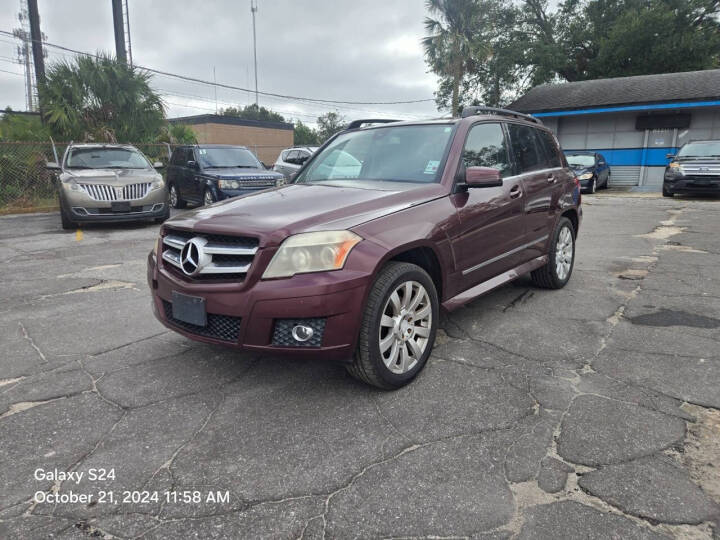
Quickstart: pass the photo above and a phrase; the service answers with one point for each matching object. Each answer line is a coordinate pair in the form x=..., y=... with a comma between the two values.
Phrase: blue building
x=633, y=121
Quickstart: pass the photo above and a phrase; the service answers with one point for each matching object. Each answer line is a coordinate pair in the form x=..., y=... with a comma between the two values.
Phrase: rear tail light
x=579, y=189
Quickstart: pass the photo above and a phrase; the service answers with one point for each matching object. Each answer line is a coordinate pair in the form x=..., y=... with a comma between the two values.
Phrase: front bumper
x=81, y=208
x=245, y=314
x=693, y=185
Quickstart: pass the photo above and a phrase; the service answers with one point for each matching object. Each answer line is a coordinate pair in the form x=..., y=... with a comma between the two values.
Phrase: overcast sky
x=327, y=49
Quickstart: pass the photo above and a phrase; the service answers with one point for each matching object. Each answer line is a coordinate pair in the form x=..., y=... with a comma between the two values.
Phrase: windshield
x=581, y=160
x=700, y=149
x=105, y=158
x=227, y=157
x=396, y=154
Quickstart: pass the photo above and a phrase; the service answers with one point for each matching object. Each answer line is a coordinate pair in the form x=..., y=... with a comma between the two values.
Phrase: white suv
x=291, y=159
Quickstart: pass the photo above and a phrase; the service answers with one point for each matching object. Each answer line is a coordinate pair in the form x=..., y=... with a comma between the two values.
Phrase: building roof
x=661, y=88
x=232, y=120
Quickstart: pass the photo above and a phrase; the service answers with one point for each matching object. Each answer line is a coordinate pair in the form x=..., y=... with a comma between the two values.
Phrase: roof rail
x=480, y=109
x=358, y=123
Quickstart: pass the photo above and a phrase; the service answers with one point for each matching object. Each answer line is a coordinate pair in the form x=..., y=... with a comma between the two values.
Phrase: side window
x=527, y=149
x=176, y=158
x=486, y=147
x=284, y=155
x=291, y=156
x=189, y=155
x=551, y=148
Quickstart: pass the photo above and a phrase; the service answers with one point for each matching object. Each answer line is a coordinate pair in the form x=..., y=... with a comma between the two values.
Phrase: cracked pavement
x=592, y=411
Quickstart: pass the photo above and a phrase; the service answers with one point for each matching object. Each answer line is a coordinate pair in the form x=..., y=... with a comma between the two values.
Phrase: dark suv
x=383, y=227
x=694, y=170
x=206, y=173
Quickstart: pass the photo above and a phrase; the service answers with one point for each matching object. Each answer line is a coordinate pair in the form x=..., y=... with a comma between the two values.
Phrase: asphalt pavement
x=588, y=412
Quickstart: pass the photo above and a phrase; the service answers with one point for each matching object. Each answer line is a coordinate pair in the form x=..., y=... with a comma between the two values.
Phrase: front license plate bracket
x=189, y=309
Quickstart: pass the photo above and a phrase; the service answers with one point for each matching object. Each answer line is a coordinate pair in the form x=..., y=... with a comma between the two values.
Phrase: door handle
x=515, y=192
x=551, y=178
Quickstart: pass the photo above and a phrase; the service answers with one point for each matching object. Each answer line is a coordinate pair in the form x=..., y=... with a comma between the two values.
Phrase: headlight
x=311, y=252
x=228, y=184
x=157, y=184
x=586, y=176
x=280, y=181
x=676, y=168
x=72, y=185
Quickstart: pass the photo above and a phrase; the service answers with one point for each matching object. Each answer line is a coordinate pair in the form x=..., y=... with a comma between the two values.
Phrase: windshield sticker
x=431, y=167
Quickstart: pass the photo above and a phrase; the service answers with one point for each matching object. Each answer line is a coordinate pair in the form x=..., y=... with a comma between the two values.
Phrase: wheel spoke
x=404, y=358
x=392, y=359
x=387, y=321
x=419, y=295
x=422, y=331
x=424, y=312
x=415, y=349
x=386, y=342
x=407, y=294
x=395, y=302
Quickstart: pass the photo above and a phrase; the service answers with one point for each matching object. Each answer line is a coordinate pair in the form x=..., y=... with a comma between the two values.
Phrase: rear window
x=528, y=149
x=395, y=154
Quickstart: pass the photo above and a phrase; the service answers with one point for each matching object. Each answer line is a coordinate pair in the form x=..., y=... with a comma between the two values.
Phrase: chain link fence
x=26, y=185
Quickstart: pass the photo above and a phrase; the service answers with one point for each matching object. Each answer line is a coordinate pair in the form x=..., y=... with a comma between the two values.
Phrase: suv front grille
x=223, y=327
x=226, y=257
x=104, y=192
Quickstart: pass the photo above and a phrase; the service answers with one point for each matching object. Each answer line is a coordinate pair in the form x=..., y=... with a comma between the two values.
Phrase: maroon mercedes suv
x=383, y=226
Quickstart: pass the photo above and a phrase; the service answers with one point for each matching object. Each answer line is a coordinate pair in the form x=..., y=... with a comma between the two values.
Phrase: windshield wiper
x=79, y=167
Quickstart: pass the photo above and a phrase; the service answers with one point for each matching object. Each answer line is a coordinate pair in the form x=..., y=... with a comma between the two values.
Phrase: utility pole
x=37, y=48
x=253, y=10
x=119, y=26
x=24, y=55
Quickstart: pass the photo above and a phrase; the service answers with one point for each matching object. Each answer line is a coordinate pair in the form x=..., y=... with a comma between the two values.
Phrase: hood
x=580, y=169
x=274, y=214
x=241, y=173
x=110, y=176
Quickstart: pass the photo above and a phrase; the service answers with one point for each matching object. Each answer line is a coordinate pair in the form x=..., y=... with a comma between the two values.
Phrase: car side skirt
x=464, y=297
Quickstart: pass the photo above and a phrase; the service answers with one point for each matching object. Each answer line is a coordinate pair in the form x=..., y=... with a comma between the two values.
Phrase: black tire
x=368, y=364
x=175, y=200
x=592, y=187
x=208, y=197
x=667, y=193
x=607, y=182
x=547, y=276
x=65, y=220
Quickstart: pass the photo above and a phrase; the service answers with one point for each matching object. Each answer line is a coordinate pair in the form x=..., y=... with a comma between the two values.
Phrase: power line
x=232, y=87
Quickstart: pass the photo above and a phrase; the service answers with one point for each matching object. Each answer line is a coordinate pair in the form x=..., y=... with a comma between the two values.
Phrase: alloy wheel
x=564, y=253
x=173, y=196
x=208, y=198
x=405, y=326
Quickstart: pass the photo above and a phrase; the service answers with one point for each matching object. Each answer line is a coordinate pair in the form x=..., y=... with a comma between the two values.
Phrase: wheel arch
x=422, y=255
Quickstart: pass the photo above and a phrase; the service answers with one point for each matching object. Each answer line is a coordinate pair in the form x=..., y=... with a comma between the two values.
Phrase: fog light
x=302, y=333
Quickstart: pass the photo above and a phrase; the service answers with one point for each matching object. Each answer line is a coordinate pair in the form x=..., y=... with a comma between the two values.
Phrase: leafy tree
x=305, y=135
x=454, y=45
x=22, y=127
x=100, y=99
x=253, y=112
x=328, y=125
x=177, y=134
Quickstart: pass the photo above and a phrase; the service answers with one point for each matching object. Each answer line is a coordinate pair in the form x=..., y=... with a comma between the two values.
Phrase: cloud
x=327, y=49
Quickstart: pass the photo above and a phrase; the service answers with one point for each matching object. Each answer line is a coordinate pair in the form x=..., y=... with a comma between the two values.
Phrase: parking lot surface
x=592, y=411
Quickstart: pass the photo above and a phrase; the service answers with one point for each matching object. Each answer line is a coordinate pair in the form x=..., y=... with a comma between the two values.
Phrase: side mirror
x=670, y=156
x=52, y=166
x=482, y=177
x=192, y=164
x=158, y=165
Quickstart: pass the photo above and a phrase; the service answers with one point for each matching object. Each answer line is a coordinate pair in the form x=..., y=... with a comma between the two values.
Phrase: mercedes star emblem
x=193, y=257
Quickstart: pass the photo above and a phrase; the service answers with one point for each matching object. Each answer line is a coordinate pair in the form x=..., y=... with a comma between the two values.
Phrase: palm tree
x=100, y=99
x=452, y=47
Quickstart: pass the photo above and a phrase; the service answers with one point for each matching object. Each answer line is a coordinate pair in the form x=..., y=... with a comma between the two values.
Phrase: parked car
x=694, y=170
x=206, y=173
x=357, y=267
x=291, y=159
x=109, y=182
x=591, y=169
